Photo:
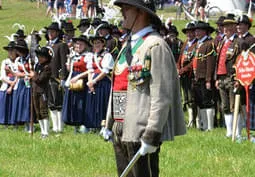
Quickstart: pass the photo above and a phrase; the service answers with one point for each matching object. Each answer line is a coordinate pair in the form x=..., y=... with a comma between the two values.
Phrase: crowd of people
x=124, y=81
x=80, y=83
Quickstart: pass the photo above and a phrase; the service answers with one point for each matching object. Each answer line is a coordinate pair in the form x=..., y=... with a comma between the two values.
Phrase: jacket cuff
x=151, y=137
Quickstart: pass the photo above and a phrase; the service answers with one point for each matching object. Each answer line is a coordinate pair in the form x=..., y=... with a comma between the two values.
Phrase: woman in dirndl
x=9, y=80
x=73, y=110
x=22, y=92
x=99, y=83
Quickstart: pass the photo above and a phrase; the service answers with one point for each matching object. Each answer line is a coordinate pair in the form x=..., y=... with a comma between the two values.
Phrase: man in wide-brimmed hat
x=244, y=24
x=105, y=30
x=203, y=66
x=228, y=51
x=173, y=41
x=219, y=31
x=69, y=31
x=58, y=74
x=184, y=67
x=145, y=107
x=84, y=25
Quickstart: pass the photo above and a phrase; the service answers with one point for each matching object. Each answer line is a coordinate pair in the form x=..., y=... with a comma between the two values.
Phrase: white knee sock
x=229, y=124
x=53, y=115
x=59, y=122
x=41, y=126
x=210, y=118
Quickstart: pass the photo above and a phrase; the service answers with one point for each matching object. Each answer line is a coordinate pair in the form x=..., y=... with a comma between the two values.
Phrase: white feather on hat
x=20, y=26
x=11, y=38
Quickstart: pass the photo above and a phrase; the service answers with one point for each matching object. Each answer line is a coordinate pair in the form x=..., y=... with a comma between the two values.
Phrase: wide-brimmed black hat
x=204, y=26
x=172, y=29
x=11, y=45
x=21, y=45
x=220, y=20
x=244, y=19
x=84, y=22
x=104, y=25
x=96, y=21
x=46, y=52
x=69, y=26
x=230, y=19
x=81, y=38
x=96, y=37
x=189, y=26
x=53, y=26
x=20, y=33
x=145, y=5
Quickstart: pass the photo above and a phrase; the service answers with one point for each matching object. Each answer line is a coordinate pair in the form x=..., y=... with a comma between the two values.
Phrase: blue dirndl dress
x=97, y=103
x=73, y=110
x=21, y=103
x=6, y=107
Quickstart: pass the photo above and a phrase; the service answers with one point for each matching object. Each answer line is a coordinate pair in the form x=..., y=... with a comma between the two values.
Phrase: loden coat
x=154, y=110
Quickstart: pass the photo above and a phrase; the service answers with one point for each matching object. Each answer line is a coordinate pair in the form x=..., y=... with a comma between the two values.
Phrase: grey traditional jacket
x=154, y=110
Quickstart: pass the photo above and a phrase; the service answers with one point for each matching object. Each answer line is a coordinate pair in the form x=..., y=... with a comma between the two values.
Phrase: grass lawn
x=197, y=154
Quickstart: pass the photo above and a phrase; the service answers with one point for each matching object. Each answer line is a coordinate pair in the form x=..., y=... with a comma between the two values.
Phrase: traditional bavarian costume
x=5, y=97
x=22, y=92
x=73, y=110
x=229, y=50
x=97, y=101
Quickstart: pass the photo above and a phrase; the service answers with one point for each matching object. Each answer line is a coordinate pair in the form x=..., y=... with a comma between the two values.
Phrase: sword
x=131, y=164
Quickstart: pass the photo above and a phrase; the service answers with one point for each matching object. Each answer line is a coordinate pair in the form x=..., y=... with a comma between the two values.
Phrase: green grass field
x=197, y=154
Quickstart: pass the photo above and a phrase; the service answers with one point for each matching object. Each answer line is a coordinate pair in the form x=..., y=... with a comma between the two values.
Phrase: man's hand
x=147, y=149
x=106, y=133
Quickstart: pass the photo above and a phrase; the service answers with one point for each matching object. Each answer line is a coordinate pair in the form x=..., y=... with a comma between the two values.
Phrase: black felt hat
x=47, y=52
x=97, y=37
x=69, y=26
x=53, y=26
x=84, y=22
x=11, y=45
x=189, y=26
x=146, y=5
x=244, y=19
x=204, y=26
x=20, y=33
x=21, y=45
x=81, y=38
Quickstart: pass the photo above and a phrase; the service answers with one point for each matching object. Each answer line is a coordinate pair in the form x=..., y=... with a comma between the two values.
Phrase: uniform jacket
x=185, y=67
x=233, y=51
x=58, y=62
x=246, y=41
x=153, y=112
x=206, y=59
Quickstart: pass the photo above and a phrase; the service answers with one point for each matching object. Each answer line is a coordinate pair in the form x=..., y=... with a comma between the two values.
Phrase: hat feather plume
x=11, y=38
x=20, y=26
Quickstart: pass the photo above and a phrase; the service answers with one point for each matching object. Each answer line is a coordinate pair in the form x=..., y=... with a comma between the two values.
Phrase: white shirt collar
x=202, y=40
x=191, y=42
x=140, y=34
x=53, y=41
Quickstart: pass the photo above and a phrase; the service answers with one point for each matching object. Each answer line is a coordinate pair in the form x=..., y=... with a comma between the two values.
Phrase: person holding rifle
x=229, y=49
x=145, y=102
